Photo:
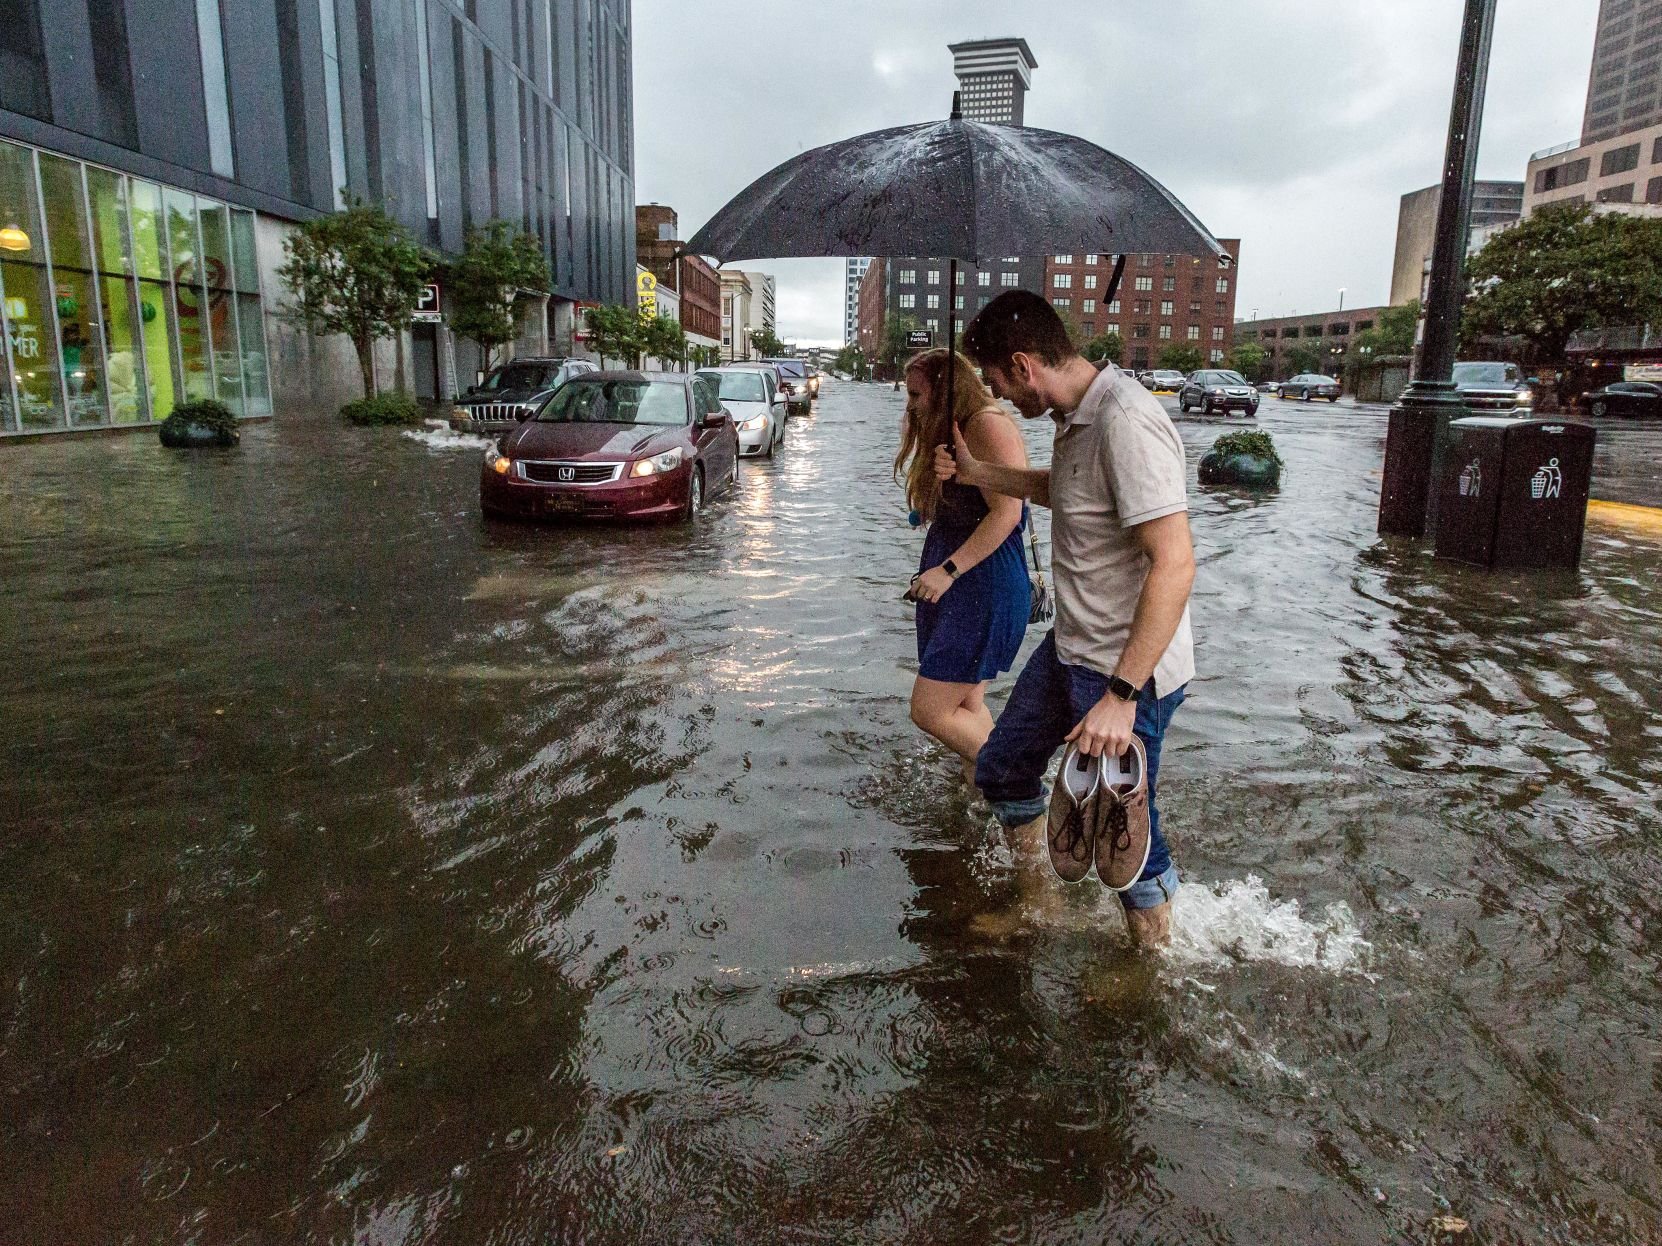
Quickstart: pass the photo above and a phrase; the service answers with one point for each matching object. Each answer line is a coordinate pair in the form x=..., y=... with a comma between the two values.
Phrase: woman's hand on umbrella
x=932, y=584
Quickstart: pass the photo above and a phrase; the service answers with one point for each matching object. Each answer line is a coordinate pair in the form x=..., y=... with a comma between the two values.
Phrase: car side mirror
x=778, y=400
x=713, y=419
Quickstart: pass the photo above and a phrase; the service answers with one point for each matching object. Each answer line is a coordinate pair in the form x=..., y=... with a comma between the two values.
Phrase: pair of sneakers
x=1099, y=816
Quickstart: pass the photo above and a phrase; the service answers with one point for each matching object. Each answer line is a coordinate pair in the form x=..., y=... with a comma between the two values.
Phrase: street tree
x=496, y=263
x=1392, y=333
x=766, y=343
x=851, y=361
x=1109, y=346
x=894, y=351
x=1250, y=360
x=1561, y=270
x=357, y=272
x=1304, y=357
x=663, y=338
x=1182, y=358
x=615, y=333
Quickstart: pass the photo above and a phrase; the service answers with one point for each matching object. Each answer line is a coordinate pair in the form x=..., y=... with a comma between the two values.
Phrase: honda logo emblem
x=568, y=473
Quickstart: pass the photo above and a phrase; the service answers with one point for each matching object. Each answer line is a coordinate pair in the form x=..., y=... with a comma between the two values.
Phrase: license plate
x=563, y=506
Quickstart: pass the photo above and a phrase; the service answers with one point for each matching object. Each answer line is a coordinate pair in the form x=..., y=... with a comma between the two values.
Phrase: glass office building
x=120, y=298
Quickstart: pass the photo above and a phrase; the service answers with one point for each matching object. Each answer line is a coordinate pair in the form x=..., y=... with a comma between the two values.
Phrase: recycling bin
x=1513, y=493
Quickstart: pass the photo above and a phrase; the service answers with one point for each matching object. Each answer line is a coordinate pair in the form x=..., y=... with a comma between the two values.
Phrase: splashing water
x=1241, y=921
x=437, y=435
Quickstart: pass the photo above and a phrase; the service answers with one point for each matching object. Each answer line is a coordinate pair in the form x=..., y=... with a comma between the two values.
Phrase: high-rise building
x=993, y=79
x=154, y=158
x=1493, y=203
x=1624, y=91
x=1163, y=301
x=854, y=272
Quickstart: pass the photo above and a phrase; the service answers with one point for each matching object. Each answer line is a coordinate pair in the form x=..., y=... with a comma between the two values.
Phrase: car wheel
x=1183, y=405
x=695, y=495
x=1281, y=394
x=768, y=453
x=1206, y=408
x=1601, y=408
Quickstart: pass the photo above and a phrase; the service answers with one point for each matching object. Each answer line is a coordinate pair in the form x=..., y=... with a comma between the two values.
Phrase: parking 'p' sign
x=427, y=309
x=920, y=339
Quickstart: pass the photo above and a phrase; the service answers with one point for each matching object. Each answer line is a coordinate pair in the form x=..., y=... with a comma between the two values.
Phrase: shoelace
x=1118, y=827
x=1072, y=835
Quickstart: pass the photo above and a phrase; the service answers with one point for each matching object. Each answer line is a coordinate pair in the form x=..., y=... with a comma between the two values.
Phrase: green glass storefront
x=120, y=298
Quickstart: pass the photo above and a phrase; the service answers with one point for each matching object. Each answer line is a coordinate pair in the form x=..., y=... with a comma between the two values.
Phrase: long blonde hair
x=920, y=436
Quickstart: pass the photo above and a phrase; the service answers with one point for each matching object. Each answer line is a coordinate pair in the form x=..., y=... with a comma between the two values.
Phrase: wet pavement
x=373, y=873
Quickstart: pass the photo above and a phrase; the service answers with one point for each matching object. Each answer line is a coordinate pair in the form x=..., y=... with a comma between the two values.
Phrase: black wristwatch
x=950, y=567
x=1123, y=689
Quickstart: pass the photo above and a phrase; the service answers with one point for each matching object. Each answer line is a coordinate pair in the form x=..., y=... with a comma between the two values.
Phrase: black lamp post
x=1419, y=421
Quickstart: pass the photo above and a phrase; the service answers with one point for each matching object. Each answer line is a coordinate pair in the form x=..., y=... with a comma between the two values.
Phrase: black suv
x=505, y=399
x=1218, y=389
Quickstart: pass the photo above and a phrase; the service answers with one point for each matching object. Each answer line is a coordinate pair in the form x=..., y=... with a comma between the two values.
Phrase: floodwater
x=372, y=873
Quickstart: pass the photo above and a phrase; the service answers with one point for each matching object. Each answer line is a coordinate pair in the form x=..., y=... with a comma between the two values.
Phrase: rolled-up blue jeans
x=1049, y=699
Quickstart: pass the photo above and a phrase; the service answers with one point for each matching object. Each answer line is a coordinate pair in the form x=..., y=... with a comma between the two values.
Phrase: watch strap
x=1124, y=689
x=950, y=567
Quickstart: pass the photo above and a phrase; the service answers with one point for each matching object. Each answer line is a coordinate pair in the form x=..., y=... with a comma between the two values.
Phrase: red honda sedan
x=615, y=445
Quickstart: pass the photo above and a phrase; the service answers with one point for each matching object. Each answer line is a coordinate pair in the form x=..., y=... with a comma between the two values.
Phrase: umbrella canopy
x=954, y=189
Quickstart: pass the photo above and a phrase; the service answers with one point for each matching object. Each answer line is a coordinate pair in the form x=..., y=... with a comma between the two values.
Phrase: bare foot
x=1150, y=928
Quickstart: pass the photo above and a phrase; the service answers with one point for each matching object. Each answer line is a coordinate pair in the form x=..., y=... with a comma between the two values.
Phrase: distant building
x=1626, y=169
x=1493, y=204
x=1163, y=300
x=854, y=272
x=872, y=308
x=1624, y=90
x=1329, y=332
x=690, y=277
x=764, y=291
x=994, y=76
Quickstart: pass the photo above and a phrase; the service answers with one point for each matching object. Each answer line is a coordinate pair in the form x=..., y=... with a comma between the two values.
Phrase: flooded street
x=370, y=872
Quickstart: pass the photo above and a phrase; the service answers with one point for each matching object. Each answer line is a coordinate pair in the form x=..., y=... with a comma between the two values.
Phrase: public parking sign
x=427, y=310
x=920, y=339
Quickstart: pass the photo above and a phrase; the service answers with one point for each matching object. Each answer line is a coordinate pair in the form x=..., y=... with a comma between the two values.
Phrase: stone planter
x=178, y=436
x=1245, y=471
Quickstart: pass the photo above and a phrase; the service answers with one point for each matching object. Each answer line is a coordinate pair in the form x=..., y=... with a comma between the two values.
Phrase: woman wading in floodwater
x=972, y=589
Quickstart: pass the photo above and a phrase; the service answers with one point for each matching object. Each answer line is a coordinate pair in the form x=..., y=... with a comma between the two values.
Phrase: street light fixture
x=1420, y=419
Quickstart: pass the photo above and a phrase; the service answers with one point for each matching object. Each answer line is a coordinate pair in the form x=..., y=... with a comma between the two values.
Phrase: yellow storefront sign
x=646, y=293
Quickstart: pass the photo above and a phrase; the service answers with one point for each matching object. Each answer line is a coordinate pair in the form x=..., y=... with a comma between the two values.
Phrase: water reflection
x=515, y=883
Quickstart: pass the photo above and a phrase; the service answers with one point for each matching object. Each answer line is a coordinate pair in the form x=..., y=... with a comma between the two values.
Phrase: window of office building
x=1061, y=304
x=1165, y=333
x=983, y=279
x=1653, y=190
x=934, y=276
x=1617, y=194
x=957, y=302
x=1088, y=306
x=121, y=298
x=1064, y=259
x=1145, y=283
x=215, y=91
x=1165, y=307
x=908, y=277
x=1062, y=281
x=1114, y=307
x=1571, y=174
x=1170, y=283
x=1194, y=333
x=934, y=300
x=1217, y=333
x=1008, y=279
x=1619, y=160
x=1090, y=281
x=1216, y=356
x=1223, y=285
x=1090, y=259
x=908, y=300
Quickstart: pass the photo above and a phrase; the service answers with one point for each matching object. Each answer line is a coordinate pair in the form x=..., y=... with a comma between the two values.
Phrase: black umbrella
x=959, y=190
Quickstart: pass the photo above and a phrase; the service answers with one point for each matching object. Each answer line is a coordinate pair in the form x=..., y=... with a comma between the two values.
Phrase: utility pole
x=1420, y=419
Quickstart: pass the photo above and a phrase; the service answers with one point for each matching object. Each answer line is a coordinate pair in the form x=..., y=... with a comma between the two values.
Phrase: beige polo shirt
x=1117, y=462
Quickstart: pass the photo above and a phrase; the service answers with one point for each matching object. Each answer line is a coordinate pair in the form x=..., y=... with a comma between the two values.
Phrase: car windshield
x=738, y=386
x=790, y=367
x=1486, y=374
x=1230, y=378
x=520, y=376
x=615, y=402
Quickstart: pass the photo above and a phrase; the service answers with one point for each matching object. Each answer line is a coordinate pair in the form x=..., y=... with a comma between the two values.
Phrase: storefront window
x=121, y=298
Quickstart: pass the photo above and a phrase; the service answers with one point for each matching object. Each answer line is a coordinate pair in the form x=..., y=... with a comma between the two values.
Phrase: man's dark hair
x=1017, y=321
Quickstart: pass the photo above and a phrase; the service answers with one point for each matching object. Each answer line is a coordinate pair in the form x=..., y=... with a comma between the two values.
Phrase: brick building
x=695, y=283
x=1163, y=300
x=1329, y=332
x=869, y=311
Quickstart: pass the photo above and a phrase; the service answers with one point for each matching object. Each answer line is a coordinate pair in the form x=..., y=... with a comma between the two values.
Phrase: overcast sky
x=1295, y=125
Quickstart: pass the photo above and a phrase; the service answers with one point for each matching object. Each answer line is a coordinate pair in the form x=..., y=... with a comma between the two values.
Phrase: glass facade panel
x=8, y=395
x=82, y=346
x=227, y=348
x=124, y=368
x=37, y=382
x=255, y=376
x=149, y=231
x=107, y=195
x=181, y=235
x=20, y=233
x=66, y=213
x=216, y=243
x=156, y=321
x=247, y=264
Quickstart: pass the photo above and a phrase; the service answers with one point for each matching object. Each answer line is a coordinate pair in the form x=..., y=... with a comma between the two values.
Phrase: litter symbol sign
x=1547, y=482
x=1471, y=480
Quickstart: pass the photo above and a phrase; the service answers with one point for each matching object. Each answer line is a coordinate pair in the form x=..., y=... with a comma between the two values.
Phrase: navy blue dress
x=974, y=632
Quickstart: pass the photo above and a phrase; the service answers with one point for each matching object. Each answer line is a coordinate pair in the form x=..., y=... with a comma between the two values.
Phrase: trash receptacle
x=1513, y=493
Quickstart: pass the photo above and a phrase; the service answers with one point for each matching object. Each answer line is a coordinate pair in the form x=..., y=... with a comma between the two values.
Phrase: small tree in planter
x=1246, y=459
x=665, y=340
x=357, y=272
x=497, y=262
x=202, y=422
x=615, y=333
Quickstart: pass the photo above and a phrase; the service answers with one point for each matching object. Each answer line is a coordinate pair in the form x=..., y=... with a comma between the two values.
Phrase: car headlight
x=498, y=462
x=1218, y=392
x=668, y=461
x=461, y=413
x=755, y=423
x=1526, y=397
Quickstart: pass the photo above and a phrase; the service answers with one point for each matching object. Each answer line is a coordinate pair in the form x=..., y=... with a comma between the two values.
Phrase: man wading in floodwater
x=1116, y=663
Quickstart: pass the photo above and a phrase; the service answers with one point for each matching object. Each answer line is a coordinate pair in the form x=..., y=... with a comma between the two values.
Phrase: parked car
x=1218, y=389
x=793, y=379
x=1164, y=379
x=615, y=445
x=1267, y=387
x=1308, y=386
x=512, y=392
x=1626, y=398
x=1490, y=386
x=756, y=405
